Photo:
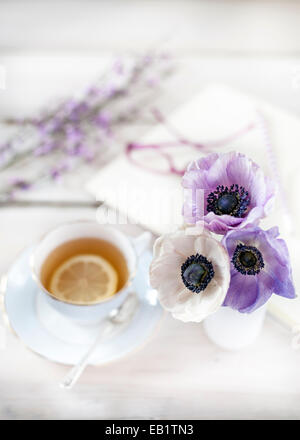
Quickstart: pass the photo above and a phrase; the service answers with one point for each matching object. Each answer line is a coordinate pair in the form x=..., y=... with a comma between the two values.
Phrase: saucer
x=53, y=336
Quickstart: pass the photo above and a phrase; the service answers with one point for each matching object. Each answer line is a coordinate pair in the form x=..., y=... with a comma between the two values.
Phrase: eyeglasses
x=162, y=149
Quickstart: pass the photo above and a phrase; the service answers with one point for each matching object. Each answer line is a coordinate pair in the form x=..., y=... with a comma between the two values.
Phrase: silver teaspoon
x=118, y=316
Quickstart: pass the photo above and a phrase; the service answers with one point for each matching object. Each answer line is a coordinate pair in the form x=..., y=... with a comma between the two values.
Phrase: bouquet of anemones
x=195, y=273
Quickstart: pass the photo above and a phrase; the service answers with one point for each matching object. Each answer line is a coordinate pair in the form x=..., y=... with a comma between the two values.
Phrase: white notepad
x=216, y=113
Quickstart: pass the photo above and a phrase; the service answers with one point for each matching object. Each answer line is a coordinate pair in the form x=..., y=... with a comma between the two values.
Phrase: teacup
x=130, y=248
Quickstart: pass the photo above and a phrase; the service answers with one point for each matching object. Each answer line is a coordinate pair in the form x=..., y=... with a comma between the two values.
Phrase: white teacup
x=130, y=248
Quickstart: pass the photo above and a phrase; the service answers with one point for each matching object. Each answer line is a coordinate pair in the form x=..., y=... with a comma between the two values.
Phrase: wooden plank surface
x=193, y=27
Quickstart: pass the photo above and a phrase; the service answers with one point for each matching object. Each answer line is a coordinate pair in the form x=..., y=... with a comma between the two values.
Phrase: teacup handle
x=141, y=243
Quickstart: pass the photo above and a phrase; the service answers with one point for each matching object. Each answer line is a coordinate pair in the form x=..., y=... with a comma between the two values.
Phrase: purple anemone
x=226, y=191
x=260, y=266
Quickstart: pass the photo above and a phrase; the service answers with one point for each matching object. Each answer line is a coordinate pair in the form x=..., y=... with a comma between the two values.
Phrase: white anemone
x=170, y=253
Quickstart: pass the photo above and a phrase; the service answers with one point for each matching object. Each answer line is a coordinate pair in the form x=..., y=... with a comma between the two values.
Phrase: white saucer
x=54, y=337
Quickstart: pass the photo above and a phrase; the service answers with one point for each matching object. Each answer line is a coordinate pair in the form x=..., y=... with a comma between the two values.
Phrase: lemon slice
x=84, y=279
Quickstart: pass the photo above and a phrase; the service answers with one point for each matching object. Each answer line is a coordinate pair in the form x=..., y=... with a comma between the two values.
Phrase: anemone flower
x=191, y=274
x=260, y=266
x=226, y=191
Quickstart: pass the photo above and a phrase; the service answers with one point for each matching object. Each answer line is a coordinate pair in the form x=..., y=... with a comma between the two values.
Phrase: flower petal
x=242, y=292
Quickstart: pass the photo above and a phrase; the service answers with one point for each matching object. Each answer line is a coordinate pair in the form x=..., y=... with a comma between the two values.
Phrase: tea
x=111, y=259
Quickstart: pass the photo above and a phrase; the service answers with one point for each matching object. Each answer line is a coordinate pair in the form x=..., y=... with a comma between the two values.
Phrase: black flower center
x=197, y=272
x=248, y=260
x=228, y=201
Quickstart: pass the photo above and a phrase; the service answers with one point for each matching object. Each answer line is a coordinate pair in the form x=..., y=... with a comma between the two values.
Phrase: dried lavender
x=80, y=130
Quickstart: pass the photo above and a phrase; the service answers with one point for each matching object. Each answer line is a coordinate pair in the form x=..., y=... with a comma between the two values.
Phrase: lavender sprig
x=79, y=129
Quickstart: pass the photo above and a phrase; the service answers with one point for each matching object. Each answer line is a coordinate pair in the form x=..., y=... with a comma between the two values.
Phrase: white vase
x=233, y=330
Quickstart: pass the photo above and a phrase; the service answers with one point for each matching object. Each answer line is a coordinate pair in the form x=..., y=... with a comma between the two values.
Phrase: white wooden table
x=49, y=48
x=178, y=374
